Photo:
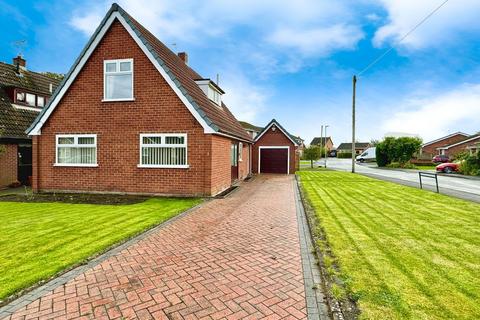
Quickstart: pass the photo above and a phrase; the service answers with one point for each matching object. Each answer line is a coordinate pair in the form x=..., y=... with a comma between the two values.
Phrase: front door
x=234, y=160
x=24, y=163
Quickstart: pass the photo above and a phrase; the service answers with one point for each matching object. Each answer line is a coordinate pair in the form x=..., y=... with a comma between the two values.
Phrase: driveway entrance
x=233, y=258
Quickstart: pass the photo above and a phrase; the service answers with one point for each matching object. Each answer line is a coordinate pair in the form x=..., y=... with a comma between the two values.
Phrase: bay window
x=163, y=150
x=76, y=150
x=118, y=80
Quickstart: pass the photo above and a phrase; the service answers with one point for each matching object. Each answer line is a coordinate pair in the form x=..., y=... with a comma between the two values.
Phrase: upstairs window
x=118, y=80
x=163, y=150
x=40, y=101
x=31, y=99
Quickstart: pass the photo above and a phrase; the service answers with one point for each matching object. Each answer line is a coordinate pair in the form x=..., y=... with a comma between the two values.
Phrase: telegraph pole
x=353, y=121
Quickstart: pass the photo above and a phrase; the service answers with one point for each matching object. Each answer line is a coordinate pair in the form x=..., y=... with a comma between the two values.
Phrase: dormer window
x=211, y=90
x=29, y=99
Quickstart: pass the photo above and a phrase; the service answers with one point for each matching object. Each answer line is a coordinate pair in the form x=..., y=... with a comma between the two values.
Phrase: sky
x=293, y=60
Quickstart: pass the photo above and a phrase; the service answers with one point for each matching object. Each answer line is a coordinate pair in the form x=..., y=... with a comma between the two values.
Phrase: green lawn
x=37, y=240
x=403, y=252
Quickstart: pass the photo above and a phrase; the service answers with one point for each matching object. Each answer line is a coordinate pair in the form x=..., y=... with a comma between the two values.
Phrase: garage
x=274, y=159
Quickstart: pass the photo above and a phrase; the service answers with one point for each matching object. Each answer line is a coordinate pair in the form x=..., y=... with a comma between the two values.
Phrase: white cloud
x=244, y=99
x=320, y=41
x=310, y=26
x=444, y=26
x=456, y=110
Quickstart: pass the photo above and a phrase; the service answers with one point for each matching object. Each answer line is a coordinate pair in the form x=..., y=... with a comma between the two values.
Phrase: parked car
x=441, y=158
x=448, y=167
x=368, y=155
x=332, y=154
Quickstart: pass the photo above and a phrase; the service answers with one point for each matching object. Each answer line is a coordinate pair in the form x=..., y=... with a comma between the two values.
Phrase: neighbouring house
x=465, y=145
x=132, y=117
x=430, y=149
x=251, y=129
x=327, y=142
x=347, y=147
x=23, y=94
x=275, y=150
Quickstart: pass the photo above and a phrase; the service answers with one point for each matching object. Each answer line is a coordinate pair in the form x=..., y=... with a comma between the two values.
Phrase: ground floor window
x=163, y=150
x=76, y=150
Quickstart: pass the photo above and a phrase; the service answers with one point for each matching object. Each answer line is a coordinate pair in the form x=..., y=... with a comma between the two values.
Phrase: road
x=452, y=185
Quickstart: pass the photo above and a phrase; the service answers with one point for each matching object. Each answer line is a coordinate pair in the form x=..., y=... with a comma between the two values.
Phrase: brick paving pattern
x=233, y=258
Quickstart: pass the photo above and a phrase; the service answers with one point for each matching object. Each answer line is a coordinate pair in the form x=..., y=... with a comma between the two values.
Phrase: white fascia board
x=278, y=127
x=115, y=15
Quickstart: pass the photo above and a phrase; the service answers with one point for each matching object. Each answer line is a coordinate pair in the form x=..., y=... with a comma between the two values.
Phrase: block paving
x=232, y=258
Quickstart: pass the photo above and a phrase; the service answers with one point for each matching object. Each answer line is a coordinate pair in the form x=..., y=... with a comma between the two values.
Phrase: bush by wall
x=344, y=155
x=470, y=165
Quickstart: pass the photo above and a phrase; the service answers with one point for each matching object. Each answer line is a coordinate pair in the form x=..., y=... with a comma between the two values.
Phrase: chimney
x=19, y=62
x=183, y=56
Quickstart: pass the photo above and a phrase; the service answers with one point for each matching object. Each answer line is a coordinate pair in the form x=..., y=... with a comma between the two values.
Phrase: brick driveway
x=232, y=258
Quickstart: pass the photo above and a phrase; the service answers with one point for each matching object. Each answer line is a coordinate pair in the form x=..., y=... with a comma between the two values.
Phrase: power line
x=402, y=38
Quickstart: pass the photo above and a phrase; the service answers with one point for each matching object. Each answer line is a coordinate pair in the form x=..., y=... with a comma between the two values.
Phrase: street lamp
x=326, y=156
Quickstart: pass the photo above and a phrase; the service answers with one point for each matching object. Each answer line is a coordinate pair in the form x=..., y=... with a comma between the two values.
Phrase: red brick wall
x=274, y=138
x=461, y=147
x=156, y=109
x=431, y=149
x=8, y=165
x=221, y=177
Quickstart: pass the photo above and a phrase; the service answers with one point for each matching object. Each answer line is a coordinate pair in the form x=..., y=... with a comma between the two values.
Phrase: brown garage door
x=273, y=160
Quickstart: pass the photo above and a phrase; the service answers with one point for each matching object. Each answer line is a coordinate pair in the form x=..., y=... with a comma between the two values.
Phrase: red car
x=441, y=158
x=448, y=167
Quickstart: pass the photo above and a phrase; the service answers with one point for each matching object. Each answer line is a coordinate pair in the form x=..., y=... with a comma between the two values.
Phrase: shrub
x=399, y=150
x=470, y=165
x=406, y=165
x=344, y=155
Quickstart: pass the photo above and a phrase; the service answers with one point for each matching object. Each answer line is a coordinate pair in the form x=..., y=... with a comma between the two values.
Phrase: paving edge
x=317, y=306
x=62, y=279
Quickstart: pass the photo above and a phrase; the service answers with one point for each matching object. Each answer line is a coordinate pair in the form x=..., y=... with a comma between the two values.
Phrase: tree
x=399, y=150
x=312, y=153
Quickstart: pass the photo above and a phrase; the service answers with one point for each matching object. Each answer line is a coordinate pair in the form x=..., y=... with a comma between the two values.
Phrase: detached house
x=132, y=117
x=23, y=94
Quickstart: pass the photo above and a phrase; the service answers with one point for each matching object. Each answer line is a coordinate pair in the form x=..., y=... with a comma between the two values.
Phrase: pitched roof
x=249, y=126
x=348, y=146
x=285, y=132
x=218, y=119
x=14, y=121
x=469, y=139
x=316, y=140
x=446, y=137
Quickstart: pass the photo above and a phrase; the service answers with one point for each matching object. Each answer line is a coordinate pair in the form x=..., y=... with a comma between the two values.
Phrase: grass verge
x=401, y=253
x=39, y=240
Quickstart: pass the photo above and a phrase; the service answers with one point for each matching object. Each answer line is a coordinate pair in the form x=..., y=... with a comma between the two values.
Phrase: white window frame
x=163, y=136
x=76, y=136
x=240, y=151
x=117, y=61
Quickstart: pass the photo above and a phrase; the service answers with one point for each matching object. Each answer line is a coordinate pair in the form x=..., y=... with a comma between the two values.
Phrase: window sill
x=75, y=165
x=118, y=100
x=186, y=166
